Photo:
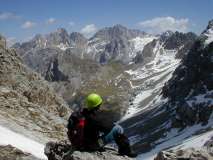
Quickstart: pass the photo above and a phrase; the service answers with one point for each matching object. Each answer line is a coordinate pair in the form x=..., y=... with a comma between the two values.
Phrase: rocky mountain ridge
x=183, y=107
x=80, y=64
x=28, y=103
x=116, y=43
x=191, y=84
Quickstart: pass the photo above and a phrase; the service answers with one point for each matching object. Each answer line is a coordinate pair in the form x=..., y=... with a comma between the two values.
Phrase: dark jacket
x=88, y=139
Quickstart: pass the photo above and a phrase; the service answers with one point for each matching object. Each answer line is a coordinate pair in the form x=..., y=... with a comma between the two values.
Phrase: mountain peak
x=167, y=33
x=119, y=26
x=61, y=30
x=207, y=34
x=210, y=24
x=74, y=35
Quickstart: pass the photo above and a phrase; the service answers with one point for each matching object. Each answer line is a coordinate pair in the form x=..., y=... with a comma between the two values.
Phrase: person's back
x=87, y=133
x=91, y=128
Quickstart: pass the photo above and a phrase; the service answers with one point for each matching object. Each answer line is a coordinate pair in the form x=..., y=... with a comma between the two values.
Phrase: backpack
x=76, y=125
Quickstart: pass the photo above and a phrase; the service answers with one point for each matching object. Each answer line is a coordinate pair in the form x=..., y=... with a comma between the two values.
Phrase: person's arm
x=71, y=125
x=72, y=121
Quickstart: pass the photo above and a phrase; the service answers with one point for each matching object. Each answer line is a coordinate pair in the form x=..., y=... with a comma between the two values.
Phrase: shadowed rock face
x=194, y=73
x=63, y=151
x=191, y=87
x=178, y=39
x=54, y=74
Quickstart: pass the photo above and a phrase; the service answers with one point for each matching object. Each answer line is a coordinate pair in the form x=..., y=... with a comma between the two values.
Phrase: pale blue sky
x=22, y=19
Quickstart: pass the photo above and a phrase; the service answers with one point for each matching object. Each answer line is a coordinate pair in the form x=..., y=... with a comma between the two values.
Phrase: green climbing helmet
x=93, y=100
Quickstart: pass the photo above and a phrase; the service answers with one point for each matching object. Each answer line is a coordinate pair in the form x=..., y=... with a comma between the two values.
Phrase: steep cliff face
x=28, y=104
x=191, y=87
x=183, y=104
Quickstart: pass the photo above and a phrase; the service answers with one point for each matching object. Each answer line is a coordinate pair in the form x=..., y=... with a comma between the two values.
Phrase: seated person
x=84, y=130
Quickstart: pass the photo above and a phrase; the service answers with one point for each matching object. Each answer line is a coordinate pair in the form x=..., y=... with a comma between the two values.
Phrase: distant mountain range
x=74, y=62
x=151, y=83
x=116, y=43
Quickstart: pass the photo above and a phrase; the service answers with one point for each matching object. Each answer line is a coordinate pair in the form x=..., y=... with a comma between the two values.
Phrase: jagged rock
x=54, y=73
x=63, y=151
x=190, y=88
x=28, y=102
x=147, y=54
x=9, y=152
x=203, y=153
x=78, y=40
x=2, y=42
x=179, y=39
x=187, y=154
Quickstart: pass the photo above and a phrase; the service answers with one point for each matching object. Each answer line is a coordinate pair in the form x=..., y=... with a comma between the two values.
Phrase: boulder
x=63, y=151
x=9, y=152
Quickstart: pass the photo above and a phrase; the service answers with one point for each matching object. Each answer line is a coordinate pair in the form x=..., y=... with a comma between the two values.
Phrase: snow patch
x=209, y=35
x=153, y=75
x=181, y=140
x=202, y=98
x=63, y=46
x=140, y=42
x=21, y=142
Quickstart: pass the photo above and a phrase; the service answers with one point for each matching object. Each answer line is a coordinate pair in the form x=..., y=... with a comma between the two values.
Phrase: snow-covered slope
x=186, y=101
x=140, y=42
x=23, y=143
x=209, y=33
x=150, y=78
x=183, y=140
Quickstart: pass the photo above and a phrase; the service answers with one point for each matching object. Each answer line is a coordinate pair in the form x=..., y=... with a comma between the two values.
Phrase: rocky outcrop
x=63, y=151
x=9, y=152
x=78, y=40
x=27, y=102
x=54, y=74
x=147, y=54
x=187, y=154
x=178, y=39
x=2, y=42
x=202, y=153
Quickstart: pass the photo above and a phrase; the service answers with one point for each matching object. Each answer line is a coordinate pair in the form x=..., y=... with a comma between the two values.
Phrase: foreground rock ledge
x=63, y=151
x=203, y=153
x=9, y=152
x=187, y=154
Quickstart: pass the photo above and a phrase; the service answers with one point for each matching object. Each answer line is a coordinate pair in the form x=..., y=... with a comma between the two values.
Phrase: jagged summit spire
x=2, y=41
x=210, y=24
x=61, y=30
